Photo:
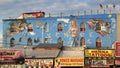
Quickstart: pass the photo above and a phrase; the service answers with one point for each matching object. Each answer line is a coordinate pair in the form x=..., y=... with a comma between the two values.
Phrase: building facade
x=93, y=31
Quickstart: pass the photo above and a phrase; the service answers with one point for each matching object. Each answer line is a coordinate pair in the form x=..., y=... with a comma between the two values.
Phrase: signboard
x=117, y=62
x=33, y=15
x=39, y=63
x=99, y=53
x=11, y=57
x=117, y=51
x=69, y=62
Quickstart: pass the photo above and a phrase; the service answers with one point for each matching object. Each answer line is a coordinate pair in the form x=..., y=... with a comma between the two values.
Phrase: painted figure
x=74, y=32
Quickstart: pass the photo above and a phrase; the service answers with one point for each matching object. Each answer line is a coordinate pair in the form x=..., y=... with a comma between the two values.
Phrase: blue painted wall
x=90, y=34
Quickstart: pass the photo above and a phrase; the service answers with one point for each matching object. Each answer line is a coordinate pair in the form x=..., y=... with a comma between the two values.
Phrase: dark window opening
x=12, y=42
x=30, y=27
x=60, y=41
x=46, y=27
x=82, y=41
x=82, y=27
x=36, y=40
x=98, y=27
x=20, y=39
x=29, y=42
x=98, y=42
x=60, y=27
x=46, y=40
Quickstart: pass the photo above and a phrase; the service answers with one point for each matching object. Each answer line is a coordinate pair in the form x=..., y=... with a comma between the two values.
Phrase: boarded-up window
x=12, y=42
x=82, y=27
x=29, y=42
x=98, y=42
x=60, y=27
x=82, y=41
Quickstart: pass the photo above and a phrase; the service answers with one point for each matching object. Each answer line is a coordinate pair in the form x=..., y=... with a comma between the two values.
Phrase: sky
x=14, y=8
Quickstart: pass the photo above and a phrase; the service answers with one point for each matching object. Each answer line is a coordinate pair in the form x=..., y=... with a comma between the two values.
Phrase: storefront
x=70, y=57
x=117, y=55
x=117, y=63
x=39, y=63
x=99, y=58
x=42, y=56
x=10, y=58
x=69, y=62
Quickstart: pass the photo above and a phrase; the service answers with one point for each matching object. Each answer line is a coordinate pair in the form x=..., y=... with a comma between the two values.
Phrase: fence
x=78, y=13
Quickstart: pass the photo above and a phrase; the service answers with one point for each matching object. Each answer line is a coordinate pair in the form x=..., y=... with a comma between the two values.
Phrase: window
x=12, y=27
x=60, y=41
x=46, y=27
x=82, y=27
x=98, y=42
x=36, y=40
x=29, y=42
x=98, y=27
x=46, y=40
x=20, y=39
x=12, y=42
x=82, y=41
x=60, y=27
x=30, y=27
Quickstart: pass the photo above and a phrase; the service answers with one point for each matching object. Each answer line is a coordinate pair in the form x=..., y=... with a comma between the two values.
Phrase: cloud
x=14, y=8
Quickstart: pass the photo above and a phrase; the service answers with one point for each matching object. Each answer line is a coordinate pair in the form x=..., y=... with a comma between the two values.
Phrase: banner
x=11, y=57
x=99, y=53
x=39, y=63
x=117, y=62
x=69, y=62
x=117, y=50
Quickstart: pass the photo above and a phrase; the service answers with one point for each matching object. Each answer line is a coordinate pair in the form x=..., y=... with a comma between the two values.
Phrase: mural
x=74, y=32
x=100, y=26
x=78, y=31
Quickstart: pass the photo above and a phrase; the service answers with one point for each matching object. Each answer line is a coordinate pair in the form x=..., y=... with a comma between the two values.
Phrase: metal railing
x=78, y=13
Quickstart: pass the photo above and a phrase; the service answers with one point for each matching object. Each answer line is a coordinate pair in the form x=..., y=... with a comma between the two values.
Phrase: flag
x=101, y=7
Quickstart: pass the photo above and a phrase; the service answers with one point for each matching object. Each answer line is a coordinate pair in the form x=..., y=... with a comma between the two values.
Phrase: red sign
x=117, y=51
x=117, y=62
x=34, y=15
